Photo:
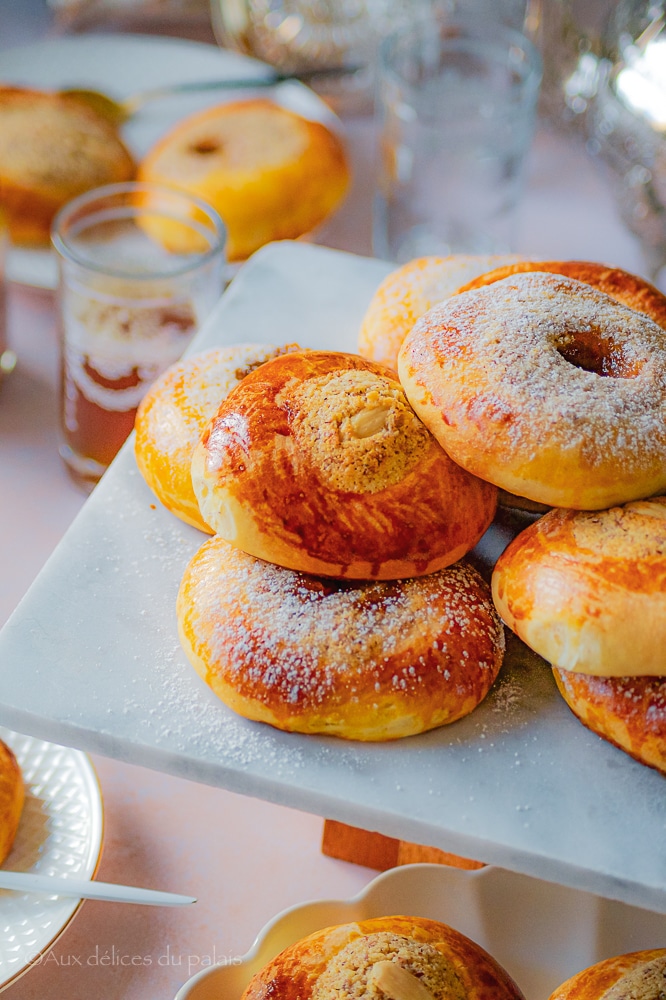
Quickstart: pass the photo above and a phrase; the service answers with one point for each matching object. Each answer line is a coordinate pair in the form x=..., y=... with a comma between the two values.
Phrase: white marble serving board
x=90, y=658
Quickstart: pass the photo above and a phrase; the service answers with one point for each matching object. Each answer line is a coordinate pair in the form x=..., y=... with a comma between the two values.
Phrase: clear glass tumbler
x=456, y=108
x=140, y=268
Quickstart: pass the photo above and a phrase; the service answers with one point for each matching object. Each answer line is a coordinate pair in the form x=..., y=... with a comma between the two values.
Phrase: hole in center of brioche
x=588, y=350
x=203, y=147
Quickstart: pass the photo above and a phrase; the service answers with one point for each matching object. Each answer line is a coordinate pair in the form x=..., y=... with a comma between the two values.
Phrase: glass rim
x=498, y=38
x=69, y=253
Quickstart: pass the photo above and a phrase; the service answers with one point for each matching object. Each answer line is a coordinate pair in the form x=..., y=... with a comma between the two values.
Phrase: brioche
x=365, y=661
x=52, y=148
x=639, y=975
x=12, y=797
x=545, y=386
x=384, y=958
x=409, y=292
x=316, y=462
x=270, y=173
x=587, y=590
x=174, y=413
x=629, y=712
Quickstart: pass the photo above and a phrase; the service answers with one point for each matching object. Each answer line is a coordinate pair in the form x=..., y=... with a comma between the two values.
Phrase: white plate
x=91, y=658
x=122, y=65
x=540, y=933
x=60, y=834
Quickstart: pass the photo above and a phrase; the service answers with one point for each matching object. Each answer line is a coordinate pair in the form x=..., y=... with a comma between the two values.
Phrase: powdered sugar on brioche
x=309, y=648
x=542, y=365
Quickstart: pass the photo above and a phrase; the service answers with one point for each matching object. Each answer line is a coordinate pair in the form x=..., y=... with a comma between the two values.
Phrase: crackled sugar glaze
x=647, y=982
x=348, y=976
x=365, y=660
x=359, y=429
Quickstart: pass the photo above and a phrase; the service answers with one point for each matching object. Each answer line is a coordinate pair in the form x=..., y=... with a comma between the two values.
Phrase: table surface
x=243, y=859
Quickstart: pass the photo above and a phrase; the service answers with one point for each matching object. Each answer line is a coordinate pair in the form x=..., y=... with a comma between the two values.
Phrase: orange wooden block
x=374, y=850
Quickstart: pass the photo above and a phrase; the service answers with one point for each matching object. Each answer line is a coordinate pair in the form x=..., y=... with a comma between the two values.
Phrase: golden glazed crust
x=270, y=173
x=316, y=462
x=545, y=386
x=621, y=285
x=639, y=975
x=365, y=661
x=587, y=590
x=52, y=148
x=336, y=963
x=629, y=712
x=12, y=796
x=409, y=292
x=174, y=413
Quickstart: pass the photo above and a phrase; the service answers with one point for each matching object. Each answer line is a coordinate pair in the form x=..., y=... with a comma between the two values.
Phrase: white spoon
x=86, y=889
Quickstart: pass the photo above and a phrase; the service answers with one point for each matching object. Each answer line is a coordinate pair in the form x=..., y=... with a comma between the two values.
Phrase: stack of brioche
x=548, y=379
x=331, y=597
x=343, y=490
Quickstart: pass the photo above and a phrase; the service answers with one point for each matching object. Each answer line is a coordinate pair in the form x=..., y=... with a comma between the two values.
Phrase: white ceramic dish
x=60, y=834
x=540, y=933
x=91, y=658
x=122, y=65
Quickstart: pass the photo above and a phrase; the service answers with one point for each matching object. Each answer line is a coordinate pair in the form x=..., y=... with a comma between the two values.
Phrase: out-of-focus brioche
x=12, y=796
x=52, y=148
x=271, y=174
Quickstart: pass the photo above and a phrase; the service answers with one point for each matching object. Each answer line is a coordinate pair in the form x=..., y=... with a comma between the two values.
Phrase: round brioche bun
x=546, y=386
x=270, y=173
x=393, y=958
x=586, y=590
x=12, y=797
x=365, y=661
x=639, y=975
x=316, y=462
x=52, y=148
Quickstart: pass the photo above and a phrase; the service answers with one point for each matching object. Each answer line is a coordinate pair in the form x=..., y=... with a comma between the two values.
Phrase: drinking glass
x=140, y=268
x=456, y=105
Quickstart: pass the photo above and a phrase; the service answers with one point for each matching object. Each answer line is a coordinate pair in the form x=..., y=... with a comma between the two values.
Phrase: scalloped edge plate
x=60, y=834
x=540, y=932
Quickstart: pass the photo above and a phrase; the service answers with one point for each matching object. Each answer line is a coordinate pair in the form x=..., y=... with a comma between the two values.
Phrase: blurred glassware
x=298, y=35
x=456, y=105
x=183, y=18
x=572, y=35
x=627, y=124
